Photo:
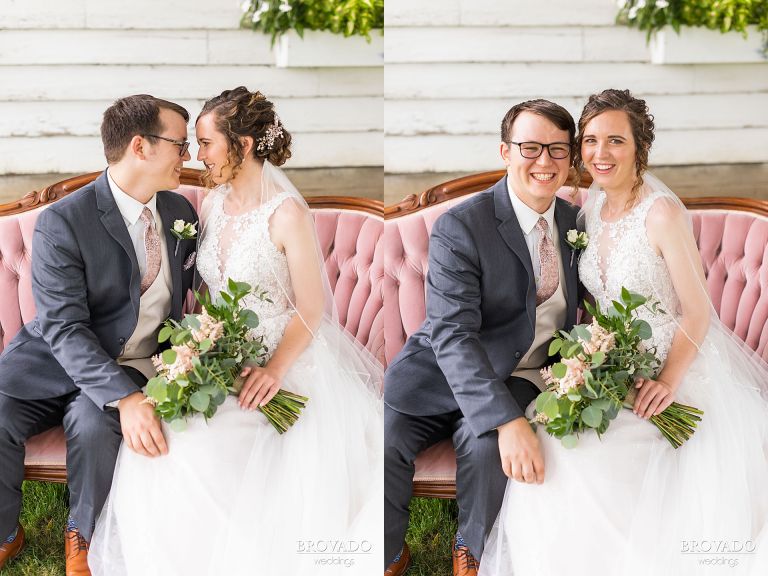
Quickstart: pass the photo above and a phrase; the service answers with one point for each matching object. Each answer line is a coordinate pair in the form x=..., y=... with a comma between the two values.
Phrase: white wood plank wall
x=454, y=67
x=62, y=62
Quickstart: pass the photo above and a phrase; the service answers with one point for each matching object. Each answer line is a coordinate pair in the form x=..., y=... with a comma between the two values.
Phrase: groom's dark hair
x=133, y=116
x=555, y=113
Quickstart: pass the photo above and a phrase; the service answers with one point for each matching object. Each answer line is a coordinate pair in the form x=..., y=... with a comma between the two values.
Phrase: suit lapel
x=115, y=226
x=510, y=231
x=164, y=209
x=570, y=260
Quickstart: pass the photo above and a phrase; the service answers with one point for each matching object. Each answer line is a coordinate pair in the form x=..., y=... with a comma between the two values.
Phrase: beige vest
x=154, y=308
x=550, y=317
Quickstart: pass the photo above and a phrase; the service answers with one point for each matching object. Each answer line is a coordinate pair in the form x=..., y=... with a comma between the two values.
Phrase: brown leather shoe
x=464, y=564
x=398, y=568
x=76, y=552
x=9, y=550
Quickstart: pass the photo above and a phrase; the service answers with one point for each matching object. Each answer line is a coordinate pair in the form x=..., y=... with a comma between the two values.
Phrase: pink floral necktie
x=152, y=249
x=550, y=276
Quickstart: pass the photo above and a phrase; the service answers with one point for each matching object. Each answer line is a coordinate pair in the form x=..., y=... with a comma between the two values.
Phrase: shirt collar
x=129, y=207
x=527, y=216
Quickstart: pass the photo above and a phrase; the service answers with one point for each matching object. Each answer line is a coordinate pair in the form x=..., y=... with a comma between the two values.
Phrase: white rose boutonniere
x=577, y=241
x=183, y=231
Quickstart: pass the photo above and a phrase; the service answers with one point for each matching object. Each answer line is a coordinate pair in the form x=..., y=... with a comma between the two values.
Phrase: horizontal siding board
x=439, y=81
x=80, y=82
x=85, y=154
x=84, y=118
x=457, y=44
x=679, y=111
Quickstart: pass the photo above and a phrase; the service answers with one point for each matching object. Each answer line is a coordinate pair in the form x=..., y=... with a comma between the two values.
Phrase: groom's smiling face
x=535, y=180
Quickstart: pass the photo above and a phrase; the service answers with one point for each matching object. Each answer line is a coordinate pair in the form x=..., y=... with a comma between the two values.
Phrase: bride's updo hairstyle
x=640, y=121
x=242, y=113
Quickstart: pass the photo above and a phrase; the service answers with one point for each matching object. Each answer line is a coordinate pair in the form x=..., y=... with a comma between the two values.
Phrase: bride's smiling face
x=214, y=149
x=608, y=150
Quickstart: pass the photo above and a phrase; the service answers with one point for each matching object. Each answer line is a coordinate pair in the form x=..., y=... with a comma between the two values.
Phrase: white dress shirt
x=528, y=217
x=131, y=210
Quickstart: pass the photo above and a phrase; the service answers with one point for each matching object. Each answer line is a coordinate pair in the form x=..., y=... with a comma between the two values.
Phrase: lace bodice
x=240, y=247
x=620, y=255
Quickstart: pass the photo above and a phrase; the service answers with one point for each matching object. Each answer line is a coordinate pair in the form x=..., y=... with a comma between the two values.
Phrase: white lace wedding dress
x=630, y=504
x=233, y=497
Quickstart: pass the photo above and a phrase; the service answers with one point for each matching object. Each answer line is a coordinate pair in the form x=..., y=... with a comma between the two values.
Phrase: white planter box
x=704, y=46
x=324, y=49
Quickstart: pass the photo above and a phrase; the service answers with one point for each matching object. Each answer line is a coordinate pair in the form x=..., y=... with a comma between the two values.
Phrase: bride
x=630, y=504
x=233, y=496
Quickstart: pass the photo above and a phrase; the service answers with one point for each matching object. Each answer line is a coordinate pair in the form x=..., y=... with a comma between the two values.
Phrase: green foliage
x=723, y=15
x=595, y=378
x=209, y=351
x=347, y=17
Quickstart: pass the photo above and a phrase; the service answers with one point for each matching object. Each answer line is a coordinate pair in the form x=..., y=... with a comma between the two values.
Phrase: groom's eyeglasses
x=182, y=144
x=557, y=150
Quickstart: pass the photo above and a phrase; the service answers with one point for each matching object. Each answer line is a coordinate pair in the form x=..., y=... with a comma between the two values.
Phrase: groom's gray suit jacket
x=86, y=286
x=481, y=314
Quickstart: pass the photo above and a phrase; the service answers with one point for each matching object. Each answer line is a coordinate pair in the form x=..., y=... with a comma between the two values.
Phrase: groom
x=501, y=281
x=106, y=273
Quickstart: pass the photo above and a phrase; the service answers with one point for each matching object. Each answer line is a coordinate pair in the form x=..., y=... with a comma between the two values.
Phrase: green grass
x=44, y=516
x=433, y=524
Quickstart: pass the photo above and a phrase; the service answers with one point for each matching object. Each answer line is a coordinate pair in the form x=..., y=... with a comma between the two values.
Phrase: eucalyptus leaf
x=592, y=416
x=569, y=441
x=199, y=401
x=559, y=370
x=580, y=331
x=644, y=330
x=554, y=346
x=178, y=425
x=157, y=388
x=169, y=357
x=165, y=333
x=551, y=408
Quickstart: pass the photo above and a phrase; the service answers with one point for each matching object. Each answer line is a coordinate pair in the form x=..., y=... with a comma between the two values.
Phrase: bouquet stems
x=677, y=423
x=284, y=409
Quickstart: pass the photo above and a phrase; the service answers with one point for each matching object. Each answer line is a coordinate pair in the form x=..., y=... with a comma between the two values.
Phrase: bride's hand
x=261, y=385
x=654, y=397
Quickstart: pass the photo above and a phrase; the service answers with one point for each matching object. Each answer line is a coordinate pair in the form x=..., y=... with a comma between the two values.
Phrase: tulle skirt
x=631, y=505
x=234, y=497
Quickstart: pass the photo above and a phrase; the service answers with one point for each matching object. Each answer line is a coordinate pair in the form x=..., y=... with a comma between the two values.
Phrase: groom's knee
x=85, y=424
x=477, y=450
x=10, y=431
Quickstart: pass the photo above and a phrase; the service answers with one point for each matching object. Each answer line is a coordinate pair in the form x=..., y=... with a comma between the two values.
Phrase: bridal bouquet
x=595, y=376
x=207, y=353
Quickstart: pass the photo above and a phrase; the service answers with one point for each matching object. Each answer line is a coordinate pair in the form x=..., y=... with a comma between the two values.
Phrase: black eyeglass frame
x=541, y=151
x=182, y=144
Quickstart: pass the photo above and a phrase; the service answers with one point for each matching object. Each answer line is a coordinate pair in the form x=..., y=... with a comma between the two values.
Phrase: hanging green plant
x=723, y=15
x=347, y=17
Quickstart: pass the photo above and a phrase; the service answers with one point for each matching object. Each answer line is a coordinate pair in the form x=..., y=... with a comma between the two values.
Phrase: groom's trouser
x=93, y=439
x=480, y=480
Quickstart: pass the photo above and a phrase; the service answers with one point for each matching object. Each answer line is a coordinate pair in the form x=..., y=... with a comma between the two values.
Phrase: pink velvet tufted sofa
x=350, y=232
x=732, y=235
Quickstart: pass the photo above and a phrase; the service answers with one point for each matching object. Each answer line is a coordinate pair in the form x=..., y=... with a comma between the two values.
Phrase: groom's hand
x=142, y=432
x=521, y=457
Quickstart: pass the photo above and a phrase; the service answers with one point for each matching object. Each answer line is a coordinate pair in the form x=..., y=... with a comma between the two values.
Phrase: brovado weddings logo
x=334, y=552
x=717, y=552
